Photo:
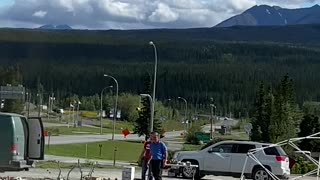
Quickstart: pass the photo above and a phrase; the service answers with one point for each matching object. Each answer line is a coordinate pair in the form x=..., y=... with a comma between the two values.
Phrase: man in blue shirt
x=159, y=154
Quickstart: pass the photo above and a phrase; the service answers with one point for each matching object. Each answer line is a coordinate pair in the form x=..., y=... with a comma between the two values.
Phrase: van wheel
x=26, y=169
x=260, y=174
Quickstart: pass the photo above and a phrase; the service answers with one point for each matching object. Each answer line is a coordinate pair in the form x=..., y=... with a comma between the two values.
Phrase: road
x=72, y=139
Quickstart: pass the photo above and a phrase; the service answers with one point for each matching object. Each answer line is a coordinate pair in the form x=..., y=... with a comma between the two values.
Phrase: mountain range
x=264, y=15
x=55, y=27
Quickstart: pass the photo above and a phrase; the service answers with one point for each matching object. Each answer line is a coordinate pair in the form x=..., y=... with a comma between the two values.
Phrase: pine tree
x=256, y=132
x=269, y=111
x=142, y=124
x=309, y=125
x=283, y=125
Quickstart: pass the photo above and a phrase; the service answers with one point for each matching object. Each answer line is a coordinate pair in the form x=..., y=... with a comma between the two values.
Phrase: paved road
x=71, y=139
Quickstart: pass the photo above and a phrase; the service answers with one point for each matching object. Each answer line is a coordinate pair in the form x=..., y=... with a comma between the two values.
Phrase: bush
x=301, y=166
x=191, y=137
x=213, y=141
x=170, y=155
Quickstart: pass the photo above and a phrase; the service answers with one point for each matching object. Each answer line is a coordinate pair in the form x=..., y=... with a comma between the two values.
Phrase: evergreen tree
x=276, y=114
x=269, y=110
x=309, y=125
x=142, y=124
x=259, y=114
x=283, y=125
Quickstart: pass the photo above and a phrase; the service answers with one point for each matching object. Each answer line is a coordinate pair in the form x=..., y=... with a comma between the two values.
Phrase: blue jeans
x=145, y=167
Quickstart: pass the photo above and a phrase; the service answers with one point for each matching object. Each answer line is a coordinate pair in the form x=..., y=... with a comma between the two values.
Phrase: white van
x=22, y=141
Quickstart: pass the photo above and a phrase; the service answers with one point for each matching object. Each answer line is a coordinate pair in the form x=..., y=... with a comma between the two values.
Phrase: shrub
x=301, y=166
x=191, y=137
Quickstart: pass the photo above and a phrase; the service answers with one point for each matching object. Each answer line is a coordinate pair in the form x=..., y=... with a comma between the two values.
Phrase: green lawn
x=191, y=147
x=126, y=151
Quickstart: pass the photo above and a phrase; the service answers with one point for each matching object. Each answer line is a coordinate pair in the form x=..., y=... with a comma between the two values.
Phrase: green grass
x=77, y=130
x=235, y=135
x=191, y=147
x=108, y=124
x=126, y=151
x=171, y=125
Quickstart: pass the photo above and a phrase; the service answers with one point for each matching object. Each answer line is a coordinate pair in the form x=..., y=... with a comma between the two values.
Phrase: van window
x=243, y=148
x=274, y=151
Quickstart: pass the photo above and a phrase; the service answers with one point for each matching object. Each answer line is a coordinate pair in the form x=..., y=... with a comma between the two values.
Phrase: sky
x=129, y=14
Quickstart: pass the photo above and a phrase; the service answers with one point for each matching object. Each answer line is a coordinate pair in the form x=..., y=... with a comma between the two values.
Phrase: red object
x=13, y=148
x=45, y=133
x=281, y=158
x=292, y=162
x=125, y=132
x=147, y=152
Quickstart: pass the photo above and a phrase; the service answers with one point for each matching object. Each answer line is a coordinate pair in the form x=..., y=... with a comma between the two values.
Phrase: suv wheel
x=260, y=174
x=191, y=172
x=188, y=172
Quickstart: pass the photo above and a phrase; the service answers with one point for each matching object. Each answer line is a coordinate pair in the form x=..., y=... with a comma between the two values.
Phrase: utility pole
x=211, y=120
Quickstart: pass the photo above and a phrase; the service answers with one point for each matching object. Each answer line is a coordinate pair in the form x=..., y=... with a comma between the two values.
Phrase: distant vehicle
x=60, y=111
x=22, y=142
x=227, y=158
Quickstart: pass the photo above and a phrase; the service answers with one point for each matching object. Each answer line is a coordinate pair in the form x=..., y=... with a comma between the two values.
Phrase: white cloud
x=133, y=14
x=163, y=14
x=39, y=14
x=288, y=3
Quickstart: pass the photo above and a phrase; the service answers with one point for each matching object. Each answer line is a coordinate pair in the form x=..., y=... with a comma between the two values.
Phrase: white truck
x=227, y=158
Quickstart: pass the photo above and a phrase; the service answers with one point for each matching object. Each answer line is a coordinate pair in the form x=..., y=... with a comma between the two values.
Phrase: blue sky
x=129, y=14
x=5, y=2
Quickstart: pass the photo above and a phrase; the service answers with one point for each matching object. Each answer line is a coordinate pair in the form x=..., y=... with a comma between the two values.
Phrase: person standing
x=145, y=157
x=159, y=154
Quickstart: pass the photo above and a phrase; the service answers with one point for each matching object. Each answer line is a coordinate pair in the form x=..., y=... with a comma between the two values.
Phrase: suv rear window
x=244, y=148
x=274, y=151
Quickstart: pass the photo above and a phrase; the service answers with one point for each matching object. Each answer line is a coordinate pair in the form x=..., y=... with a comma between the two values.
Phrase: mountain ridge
x=55, y=27
x=264, y=15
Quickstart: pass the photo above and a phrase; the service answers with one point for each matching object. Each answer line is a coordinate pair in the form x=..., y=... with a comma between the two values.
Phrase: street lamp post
x=115, y=108
x=101, y=107
x=185, y=113
x=211, y=122
x=78, y=107
x=154, y=84
x=151, y=105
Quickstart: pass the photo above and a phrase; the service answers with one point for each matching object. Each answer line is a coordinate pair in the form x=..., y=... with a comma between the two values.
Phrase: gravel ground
x=75, y=174
x=104, y=173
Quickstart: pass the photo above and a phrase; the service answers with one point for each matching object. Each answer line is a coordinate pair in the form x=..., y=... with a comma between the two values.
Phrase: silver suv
x=227, y=158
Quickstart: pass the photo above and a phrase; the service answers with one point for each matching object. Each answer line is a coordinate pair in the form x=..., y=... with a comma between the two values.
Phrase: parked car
x=22, y=142
x=227, y=158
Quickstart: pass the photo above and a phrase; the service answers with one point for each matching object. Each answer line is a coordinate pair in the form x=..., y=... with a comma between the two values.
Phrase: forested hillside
x=225, y=64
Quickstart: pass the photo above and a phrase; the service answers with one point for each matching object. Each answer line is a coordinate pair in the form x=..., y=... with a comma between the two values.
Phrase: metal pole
x=101, y=111
x=39, y=105
x=78, y=110
x=74, y=120
x=185, y=113
x=101, y=98
x=48, y=108
x=211, y=123
x=115, y=108
x=154, y=84
x=29, y=99
x=151, y=117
